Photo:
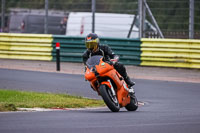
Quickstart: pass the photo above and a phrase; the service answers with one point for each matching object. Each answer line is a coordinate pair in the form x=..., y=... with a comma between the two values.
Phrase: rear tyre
x=110, y=100
x=133, y=105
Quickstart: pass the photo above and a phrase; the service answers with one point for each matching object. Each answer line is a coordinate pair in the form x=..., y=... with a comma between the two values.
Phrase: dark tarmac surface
x=136, y=72
x=169, y=107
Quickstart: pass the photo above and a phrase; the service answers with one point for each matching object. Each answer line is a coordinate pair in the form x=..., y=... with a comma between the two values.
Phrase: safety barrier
x=72, y=48
x=170, y=53
x=26, y=46
x=145, y=52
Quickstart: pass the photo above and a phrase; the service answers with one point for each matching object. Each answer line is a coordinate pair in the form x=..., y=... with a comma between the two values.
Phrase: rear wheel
x=110, y=100
x=133, y=105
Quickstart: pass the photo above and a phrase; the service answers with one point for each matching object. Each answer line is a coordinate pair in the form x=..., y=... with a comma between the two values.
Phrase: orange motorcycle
x=109, y=84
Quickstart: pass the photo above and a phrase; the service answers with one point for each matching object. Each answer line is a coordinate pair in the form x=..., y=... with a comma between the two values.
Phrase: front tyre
x=133, y=105
x=110, y=100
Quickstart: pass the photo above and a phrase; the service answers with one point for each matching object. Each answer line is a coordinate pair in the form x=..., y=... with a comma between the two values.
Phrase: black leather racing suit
x=108, y=54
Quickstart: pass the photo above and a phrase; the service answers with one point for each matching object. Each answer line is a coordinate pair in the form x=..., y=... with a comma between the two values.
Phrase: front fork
x=112, y=88
x=109, y=84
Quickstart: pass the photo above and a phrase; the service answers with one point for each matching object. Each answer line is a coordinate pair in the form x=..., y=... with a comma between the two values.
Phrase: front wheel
x=133, y=105
x=110, y=100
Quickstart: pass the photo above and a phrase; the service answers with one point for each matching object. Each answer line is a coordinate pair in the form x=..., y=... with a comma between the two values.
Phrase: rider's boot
x=130, y=85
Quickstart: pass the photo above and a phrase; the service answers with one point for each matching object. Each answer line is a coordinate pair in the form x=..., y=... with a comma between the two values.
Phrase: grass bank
x=10, y=100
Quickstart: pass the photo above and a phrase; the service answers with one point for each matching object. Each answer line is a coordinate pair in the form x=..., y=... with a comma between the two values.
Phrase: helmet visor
x=91, y=44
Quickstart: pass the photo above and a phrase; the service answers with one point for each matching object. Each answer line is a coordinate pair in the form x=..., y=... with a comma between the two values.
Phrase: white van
x=106, y=25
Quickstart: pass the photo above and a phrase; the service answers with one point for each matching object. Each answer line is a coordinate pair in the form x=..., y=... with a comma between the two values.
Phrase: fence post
x=2, y=15
x=93, y=15
x=191, y=20
x=143, y=18
x=46, y=17
x=140, y=12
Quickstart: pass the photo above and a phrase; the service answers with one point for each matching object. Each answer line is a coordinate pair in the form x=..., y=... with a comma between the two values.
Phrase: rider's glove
x=113, y=60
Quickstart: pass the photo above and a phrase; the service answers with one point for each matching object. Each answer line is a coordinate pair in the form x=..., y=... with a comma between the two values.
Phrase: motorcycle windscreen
x=94, y=60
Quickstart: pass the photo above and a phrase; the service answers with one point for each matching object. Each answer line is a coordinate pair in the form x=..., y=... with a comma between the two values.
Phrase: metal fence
x=173, y=17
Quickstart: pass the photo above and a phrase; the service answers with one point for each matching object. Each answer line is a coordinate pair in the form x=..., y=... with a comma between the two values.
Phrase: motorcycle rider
x=94, y=48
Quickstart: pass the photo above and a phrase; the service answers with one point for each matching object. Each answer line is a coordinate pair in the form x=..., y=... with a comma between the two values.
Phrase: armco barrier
x=72, y=48
x=152, y=52
x=26, y=46
x=170, y=53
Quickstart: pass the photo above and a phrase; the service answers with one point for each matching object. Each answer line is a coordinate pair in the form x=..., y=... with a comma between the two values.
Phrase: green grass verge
x=10, y=100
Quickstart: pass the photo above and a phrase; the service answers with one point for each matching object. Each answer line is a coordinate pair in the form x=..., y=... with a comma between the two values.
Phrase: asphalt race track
x=170, y=107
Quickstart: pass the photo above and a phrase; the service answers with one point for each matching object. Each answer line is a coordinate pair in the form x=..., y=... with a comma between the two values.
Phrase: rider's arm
x=113, y=57
x=85, y=56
